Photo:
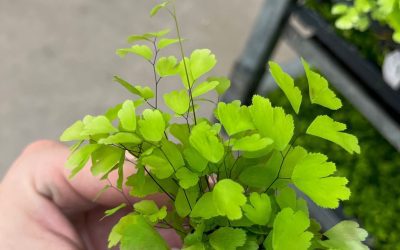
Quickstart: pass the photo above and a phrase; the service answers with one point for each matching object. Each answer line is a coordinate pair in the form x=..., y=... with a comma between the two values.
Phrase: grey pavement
x=57, y=57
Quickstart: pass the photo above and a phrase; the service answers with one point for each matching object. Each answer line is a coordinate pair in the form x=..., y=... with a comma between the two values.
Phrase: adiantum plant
x=231, y=184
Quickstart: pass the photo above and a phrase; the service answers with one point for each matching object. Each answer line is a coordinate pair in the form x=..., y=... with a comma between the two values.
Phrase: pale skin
x=40, y=208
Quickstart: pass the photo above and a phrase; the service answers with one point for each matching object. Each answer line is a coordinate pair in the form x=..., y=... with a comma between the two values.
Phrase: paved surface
x=57, y=57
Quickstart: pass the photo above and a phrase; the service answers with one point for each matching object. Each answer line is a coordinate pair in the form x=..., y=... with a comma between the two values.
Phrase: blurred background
x=57, y=58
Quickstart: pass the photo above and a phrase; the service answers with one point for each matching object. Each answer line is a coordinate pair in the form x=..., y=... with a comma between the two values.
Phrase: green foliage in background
x=358, y=15
x=229, y=183
x=373, y=43
x=374, y=174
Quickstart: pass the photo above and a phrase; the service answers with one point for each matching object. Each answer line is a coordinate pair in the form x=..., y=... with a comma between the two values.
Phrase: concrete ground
x=57, y=57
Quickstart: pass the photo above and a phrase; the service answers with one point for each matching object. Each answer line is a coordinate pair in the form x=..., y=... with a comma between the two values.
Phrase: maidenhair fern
x=230, y=183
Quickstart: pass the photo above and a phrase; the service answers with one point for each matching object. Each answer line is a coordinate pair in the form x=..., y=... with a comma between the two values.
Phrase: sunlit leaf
x=206, y=142
x=133, y=232
x=346, y=235
x=229, y=198
x=259, y=209
x=177, y=101
x=312, y=175
x=167, y=66
x=73, y=133
x=251, y=143
x=201, y=61
x=272, y=122
x=319, y=89
x=289, y=231
x=164, y=42
x=203, y=88
x=152, y=126
x=121, y=138
x=105, y=159
x=234, y=118
x=140, y=50
x=127, y=116
x=325, y=127
x=158, y=7
x=286, y=83
x=145, y=92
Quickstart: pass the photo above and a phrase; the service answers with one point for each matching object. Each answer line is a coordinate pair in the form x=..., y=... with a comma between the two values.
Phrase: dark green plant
x=229, y=183
x=373, y=175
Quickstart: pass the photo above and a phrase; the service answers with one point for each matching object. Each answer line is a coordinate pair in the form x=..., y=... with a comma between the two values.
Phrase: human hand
x=41, y=209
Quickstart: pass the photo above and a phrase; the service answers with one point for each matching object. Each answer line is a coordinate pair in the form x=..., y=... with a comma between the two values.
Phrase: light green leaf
x=140, y=50
x=145, y=92
x=142, y=184
x=259, y=209
x=325, y=127
x=289, y=231
x=182, y=199
x=272, y=122
x=227, y=238
x=112, y=211
x=319, y=89
x=121, y=138
x=223, y=86
x=286, y=83
x=201, y=61
x=158, y=7
x=167, y=66
x=172, y=153
x=152, y=126
x=177, y=101
x=164, y=42
x=77, y=160
x=348, y=20
x=206, y=142
x=112, y=113
x=180, y=132
x=149, y=210
x=98, y=125
x=158, y=34
x=229, y=198
x=312, y=175
x=346, y=235
x=127, y=116
x=195, y=160
x=148, y=36
x=204, y=87
x=251, y=143
x=186, y=178
x=339, y=9
x=205, y=207
x=105, y=159
x=234, y=118
x=158, y=165
x=73, y=133
x=134, y=233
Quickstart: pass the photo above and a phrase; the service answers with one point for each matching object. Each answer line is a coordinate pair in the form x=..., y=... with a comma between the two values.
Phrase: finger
x=41, y=166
